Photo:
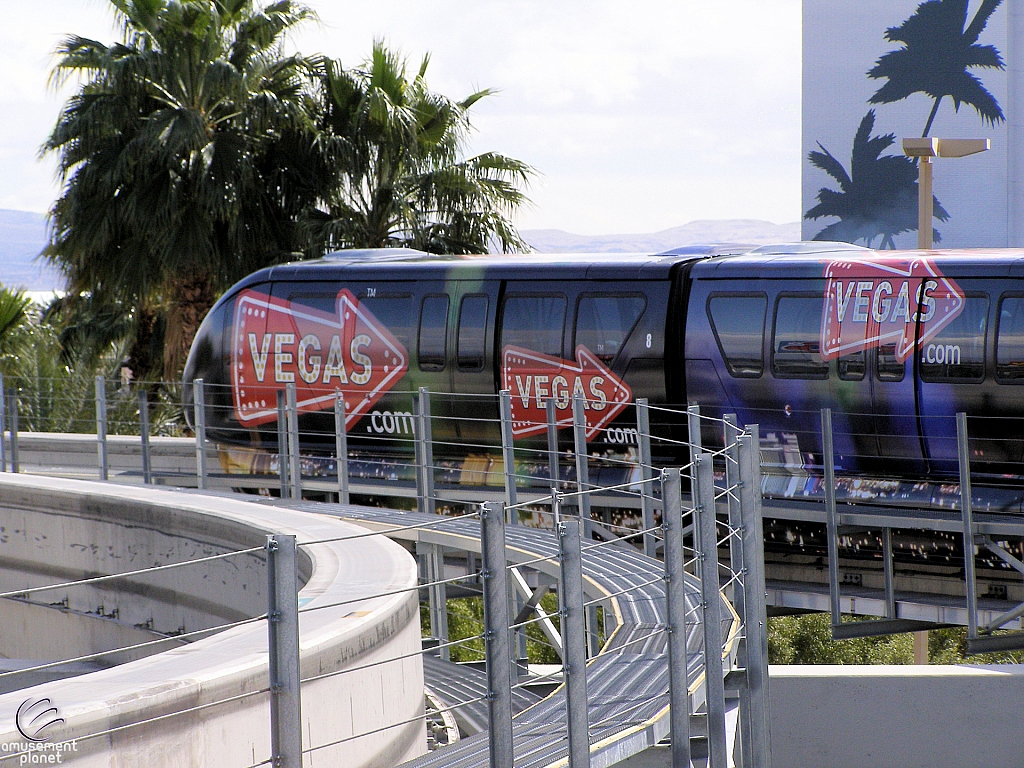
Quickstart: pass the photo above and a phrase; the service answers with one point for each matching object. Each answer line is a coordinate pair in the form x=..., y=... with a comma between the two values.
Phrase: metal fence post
x=283, y=644
x=704, y=509
x=574, y=642
x=282, y=442
x=754, y=611
x=199, y=409
x=147, y=467
x=643, y=432
x=554, y=476
x=675, y=597
x=341, y=446
x=508, y=454
x=101, y=426
x=498, y=657
x=15, y=463
x=294, y=447
x=579, y=432
x=967, y=515
x=732, y=479
x=831, y=527
x=425, y=452
x=3, y=424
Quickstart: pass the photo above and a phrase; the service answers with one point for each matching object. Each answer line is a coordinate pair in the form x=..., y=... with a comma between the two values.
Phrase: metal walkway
x=627, y=681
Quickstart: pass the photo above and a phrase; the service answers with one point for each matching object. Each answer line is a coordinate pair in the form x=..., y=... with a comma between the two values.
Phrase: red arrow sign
x=533, y=378
x=277, y=343
x=879, y=301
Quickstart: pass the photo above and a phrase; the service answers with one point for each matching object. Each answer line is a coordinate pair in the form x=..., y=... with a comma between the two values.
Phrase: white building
x=974, y=49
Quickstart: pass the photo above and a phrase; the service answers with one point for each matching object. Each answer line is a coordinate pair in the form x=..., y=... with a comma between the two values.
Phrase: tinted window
x=603, y=323
x=957, y=352
x=851, y=367
x=433, y=333
x=1010, y=341
x=889, y=368
x=738, y=325
x=534, y=323
x=796, y=349
x=397, y=311
x=472, y=332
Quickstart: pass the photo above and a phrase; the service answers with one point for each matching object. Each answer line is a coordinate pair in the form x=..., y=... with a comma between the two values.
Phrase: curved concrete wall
x=54, y=530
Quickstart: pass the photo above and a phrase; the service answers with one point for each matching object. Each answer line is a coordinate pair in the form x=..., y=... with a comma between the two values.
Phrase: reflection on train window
x=796, y=347
x=396, y=311
x=957, y=352
x=534, y=322
x=851, y=367
x=1010, y=340
x=433, y=333
x=738, y=325
x=888, y=368
x=604, y=322
x=472, y=332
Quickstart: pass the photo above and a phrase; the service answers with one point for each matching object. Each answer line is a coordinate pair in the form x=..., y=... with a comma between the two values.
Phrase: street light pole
x=924, y=150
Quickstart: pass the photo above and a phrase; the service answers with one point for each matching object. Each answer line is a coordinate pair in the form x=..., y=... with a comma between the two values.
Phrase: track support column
x=675, y=596
x=283, y=642
x=498, y=656
x=574, y=642
x=101, y=427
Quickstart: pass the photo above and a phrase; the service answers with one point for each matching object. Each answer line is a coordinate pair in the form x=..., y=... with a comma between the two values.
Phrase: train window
x=1010, y=340
x=796, y=342
x=851, y=367
x=603, y=323
x=887, y=366
x=957, y=352
x=738, y=324
x=433, y=345
x=472, y=332
x=396, y=311
x=534, y=323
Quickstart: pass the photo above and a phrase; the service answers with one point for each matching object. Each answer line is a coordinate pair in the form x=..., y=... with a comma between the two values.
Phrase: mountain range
x=23, y=235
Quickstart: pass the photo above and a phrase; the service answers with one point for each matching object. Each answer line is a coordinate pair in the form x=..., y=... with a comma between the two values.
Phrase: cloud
x=640, y=115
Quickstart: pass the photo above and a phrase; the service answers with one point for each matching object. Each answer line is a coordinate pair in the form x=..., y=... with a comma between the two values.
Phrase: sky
x=638, y=116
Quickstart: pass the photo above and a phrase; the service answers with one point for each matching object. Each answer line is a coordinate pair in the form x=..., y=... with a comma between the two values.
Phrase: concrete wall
x=55, y=529
x=885, y=716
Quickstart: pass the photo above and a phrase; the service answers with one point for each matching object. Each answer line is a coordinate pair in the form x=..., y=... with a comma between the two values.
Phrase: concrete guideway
x=627, y=682
x=58, y=530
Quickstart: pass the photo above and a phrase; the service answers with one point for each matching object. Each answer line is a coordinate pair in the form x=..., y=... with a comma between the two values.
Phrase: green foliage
x=466, y=619
x=393, y=149
x=181, y=155
x=807, y=639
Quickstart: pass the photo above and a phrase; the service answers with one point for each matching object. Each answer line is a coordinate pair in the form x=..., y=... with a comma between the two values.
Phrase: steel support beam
x=498, y=653
x=283, y=642
x=675, y=597
x=574, y=642
x=101, y=427
x=199, y=413
x=532, y=606
x=147, y=455
x=643, y=441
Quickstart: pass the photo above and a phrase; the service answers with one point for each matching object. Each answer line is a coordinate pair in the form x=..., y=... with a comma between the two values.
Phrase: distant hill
x=750, y=231
x=22, y=237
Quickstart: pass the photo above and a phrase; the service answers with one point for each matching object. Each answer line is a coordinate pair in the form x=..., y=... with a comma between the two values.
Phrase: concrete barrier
x=884, y=716
x=163, y=710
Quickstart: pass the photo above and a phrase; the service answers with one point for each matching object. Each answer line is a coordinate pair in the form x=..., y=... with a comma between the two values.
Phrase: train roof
x=791, y=260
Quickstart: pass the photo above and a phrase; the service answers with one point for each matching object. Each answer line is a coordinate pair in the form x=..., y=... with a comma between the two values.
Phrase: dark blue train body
x=894, y=343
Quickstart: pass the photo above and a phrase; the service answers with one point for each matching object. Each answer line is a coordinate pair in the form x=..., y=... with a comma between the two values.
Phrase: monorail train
x=896, y=343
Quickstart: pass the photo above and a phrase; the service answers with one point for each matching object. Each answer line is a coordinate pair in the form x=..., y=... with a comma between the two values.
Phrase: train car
x=896, y=343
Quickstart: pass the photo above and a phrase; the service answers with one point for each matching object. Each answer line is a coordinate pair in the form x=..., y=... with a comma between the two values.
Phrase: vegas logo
x=533, y=378
x=885, y=300
x=277, y=343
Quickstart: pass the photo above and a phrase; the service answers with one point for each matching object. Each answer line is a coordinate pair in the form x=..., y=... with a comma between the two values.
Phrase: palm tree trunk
x=191, y=298
x=931, y=118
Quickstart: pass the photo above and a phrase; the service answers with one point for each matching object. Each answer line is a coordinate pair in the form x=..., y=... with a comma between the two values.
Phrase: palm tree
x=877, y=198
x=936, y=54
x=181, y=156
x=394, y=150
